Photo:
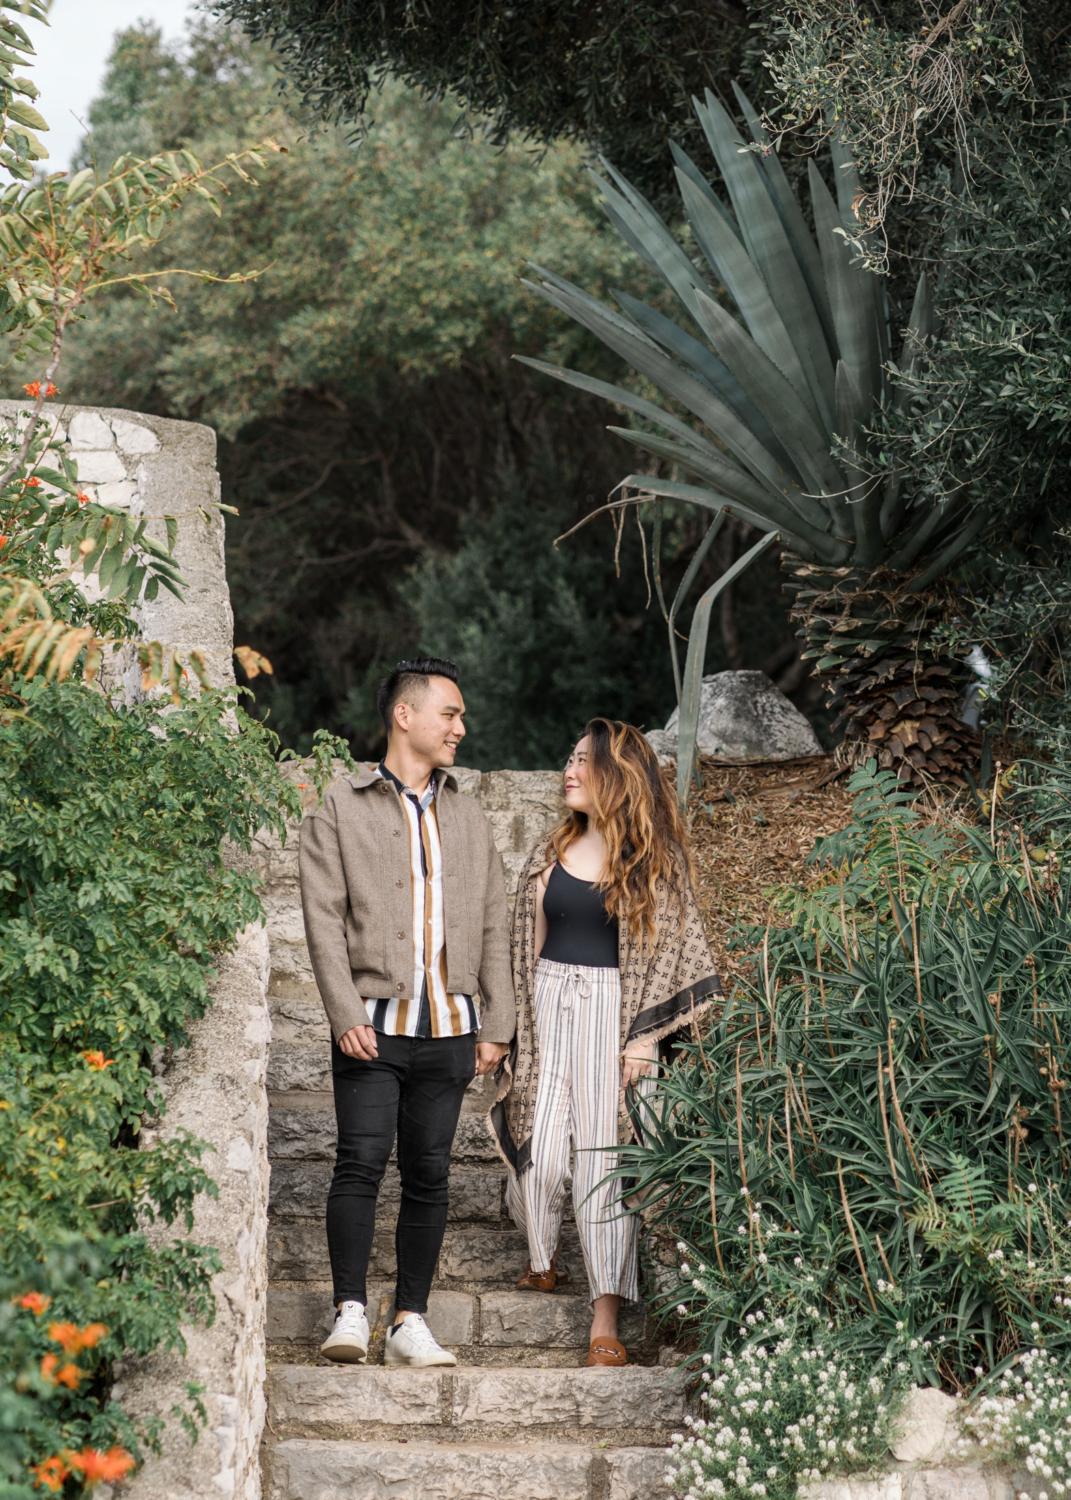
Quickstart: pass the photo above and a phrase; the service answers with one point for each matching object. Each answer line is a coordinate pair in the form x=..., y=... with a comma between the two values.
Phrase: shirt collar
x=407, y=791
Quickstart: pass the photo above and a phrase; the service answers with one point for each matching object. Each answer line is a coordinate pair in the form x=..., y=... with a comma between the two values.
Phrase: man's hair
x=409, y=682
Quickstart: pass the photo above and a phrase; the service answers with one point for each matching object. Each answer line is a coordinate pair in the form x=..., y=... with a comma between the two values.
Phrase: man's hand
x=360, y=1041
x=638, y=1062
x=488, y=1056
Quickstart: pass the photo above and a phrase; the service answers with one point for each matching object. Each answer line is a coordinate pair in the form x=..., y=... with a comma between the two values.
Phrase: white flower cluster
x=776, y=1416
x=1027, y=1421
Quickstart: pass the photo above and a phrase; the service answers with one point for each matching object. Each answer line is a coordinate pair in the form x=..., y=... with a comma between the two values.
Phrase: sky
x=71, y=53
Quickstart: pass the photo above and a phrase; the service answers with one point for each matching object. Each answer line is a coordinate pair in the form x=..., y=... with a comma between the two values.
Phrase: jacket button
x=397, y=833
x=398, y=883
x=401, y=935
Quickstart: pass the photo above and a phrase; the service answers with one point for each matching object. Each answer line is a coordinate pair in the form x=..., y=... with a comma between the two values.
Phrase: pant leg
x=440, y=1070
x=608, y=1234
x=366, y=1109
x=536, y=1200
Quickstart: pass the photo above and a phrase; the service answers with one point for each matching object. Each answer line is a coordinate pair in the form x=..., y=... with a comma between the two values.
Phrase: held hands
x=488, y=1056
x=637, y=1063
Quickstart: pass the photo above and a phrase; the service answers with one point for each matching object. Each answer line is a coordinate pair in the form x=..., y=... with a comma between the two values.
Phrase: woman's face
x=577, y=795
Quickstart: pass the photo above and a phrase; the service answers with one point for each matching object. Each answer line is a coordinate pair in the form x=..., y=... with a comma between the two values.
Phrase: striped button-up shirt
x=433, y=1010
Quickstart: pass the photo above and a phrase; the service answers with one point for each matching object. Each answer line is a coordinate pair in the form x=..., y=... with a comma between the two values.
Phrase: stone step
x=486, y=1320
x=297, y=1251
x=310, y=1469
x=345, y=1399
x=299, y=1190
x=303, y=1129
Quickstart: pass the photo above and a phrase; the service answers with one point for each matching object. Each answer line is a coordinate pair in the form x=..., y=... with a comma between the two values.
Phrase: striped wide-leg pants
x=578, y=1020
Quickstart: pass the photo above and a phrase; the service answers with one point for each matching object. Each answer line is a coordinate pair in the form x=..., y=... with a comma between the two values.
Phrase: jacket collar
x=367, y=777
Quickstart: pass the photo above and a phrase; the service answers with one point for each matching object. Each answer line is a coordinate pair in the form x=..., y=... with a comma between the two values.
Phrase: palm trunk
x=898, y=697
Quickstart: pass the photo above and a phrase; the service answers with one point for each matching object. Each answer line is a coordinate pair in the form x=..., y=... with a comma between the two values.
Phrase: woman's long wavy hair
x=637, y=815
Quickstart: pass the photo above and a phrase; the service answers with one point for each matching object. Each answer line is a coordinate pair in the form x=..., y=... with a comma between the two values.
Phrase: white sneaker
x=347, y=1343
x=411, y=1342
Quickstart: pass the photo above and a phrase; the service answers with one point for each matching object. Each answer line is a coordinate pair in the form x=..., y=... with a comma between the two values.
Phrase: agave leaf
x=810, y=544
x=707, y=365
x=849, y=298
x=692, y=687
x=597, y=308
x=775, y=397
x=685, y=164
x=865, y=496
x=916, y=336
x=796, y=227
x=669, y=377
x=628, y=399
x=849, y=188
x=650, y=238
x=933, y=520
x=771, y=252
x=730, y=261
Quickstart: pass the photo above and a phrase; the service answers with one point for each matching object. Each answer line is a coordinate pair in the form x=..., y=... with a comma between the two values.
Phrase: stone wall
x=155, y=467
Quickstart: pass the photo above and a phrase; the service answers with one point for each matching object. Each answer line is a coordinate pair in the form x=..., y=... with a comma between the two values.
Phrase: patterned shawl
x=665, y=985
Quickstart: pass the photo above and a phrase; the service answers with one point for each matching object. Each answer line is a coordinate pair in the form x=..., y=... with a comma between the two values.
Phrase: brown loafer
x=539, y=1281
x=605, y=1351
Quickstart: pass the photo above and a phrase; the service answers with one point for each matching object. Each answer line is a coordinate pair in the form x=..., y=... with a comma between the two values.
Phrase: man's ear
x=401, y=714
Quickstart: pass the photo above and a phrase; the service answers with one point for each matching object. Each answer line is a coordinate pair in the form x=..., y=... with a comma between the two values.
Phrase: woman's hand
x=638, y=1062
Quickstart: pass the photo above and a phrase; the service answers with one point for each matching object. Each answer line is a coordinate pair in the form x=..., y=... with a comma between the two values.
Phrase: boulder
x=743, y=713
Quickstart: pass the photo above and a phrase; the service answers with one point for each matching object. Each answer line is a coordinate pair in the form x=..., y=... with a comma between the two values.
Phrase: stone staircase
x=519, y=1418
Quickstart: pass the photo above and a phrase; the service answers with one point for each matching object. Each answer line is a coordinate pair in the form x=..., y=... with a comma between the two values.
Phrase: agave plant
x=771, y=416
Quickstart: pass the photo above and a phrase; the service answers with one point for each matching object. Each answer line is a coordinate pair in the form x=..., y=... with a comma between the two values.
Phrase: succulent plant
x=772, y=416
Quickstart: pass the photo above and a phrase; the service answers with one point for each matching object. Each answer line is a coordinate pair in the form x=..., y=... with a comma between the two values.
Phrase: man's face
x=437, y=725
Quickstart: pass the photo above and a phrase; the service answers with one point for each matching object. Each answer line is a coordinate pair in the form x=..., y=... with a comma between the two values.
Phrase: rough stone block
x=549, y=1322
x=863, y=1487
x=88, y=429
x=305, y=1469
x=633, y=1397
x=927, y=1427
x=474, y=1141
x=302, y=1134
x=482, y=1255
x=132, y=437
x=300, y=1067
x=119, y=492
x=637, y=1473
x=99, y=468
x=295, y=1015
x=945, y=1484
x=743, y=713
x=345, y=1396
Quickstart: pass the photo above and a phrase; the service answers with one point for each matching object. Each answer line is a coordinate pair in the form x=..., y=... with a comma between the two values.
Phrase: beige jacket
x=355, y=893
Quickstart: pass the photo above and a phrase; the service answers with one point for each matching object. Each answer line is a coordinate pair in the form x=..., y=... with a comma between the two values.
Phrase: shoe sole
x=345, y=1354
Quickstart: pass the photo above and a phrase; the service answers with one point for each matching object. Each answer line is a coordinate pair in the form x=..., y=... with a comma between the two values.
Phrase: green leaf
x=692, y=686
x=848, y=296
x=25, y=114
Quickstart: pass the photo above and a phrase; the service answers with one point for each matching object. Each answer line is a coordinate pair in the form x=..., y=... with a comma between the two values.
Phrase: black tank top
x=578, y=928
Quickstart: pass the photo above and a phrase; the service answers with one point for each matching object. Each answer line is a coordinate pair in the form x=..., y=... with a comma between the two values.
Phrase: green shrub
x=114, y=904
x=875, y=1124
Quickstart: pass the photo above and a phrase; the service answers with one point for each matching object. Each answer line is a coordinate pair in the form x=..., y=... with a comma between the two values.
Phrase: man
x=405, y=913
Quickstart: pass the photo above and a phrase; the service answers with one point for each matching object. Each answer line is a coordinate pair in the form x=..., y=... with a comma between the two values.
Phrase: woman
x=609, y=957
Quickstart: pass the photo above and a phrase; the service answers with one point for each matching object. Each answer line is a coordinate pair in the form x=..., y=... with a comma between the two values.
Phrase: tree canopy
x=616, y=76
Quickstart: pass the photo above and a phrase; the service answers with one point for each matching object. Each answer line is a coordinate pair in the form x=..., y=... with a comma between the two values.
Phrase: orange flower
x=51, y=1473
x=83, y=498
x=33, y=483
x=97, y=1060
x=68, y=1374
x=4, y=539
x=73, y=1339
x=95, y=1466
x=34, y=389
x=34, y=1302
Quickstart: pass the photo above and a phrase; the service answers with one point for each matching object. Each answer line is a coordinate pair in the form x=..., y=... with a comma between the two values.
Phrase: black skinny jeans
x=415, y=1087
